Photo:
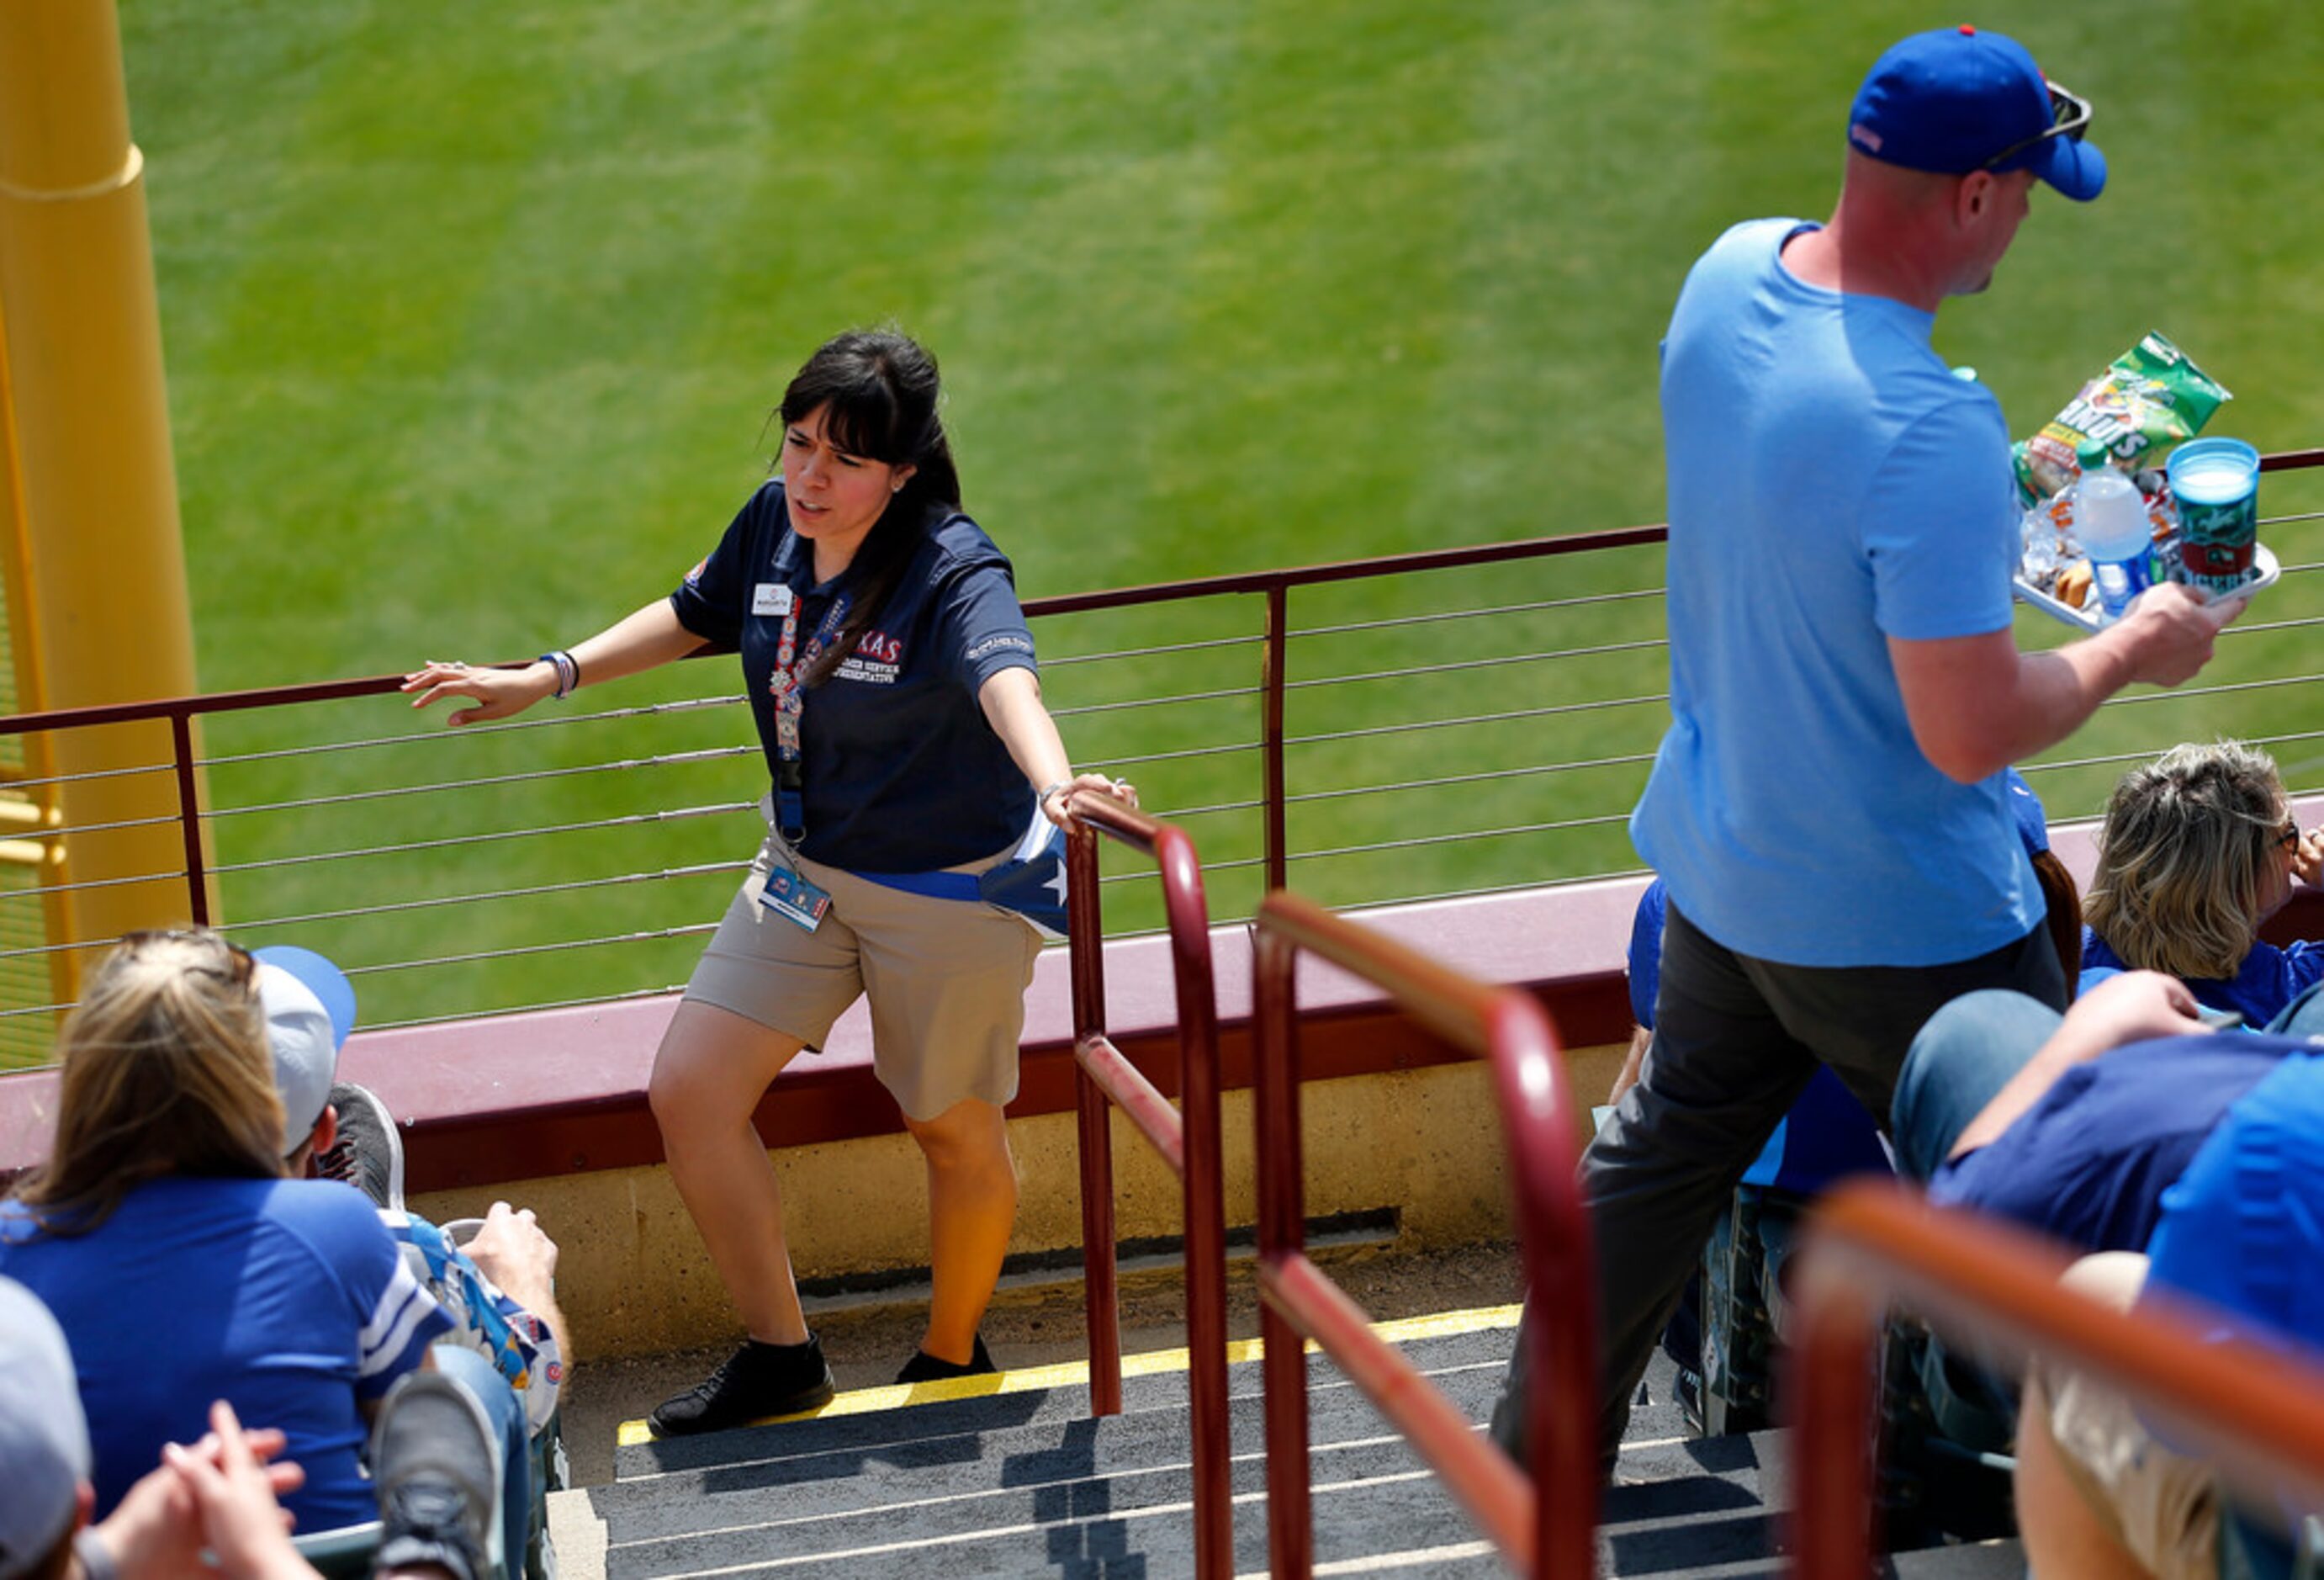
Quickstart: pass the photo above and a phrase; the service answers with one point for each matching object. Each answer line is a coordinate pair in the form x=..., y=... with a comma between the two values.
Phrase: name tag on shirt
x=770, y=597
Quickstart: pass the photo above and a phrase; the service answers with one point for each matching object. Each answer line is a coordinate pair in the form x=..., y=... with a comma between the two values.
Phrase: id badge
x=770, y=597
x=793, y=897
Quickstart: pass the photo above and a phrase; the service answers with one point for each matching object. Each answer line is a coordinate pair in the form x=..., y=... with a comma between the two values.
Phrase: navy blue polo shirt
x=2089, y=1162
x=902, y=772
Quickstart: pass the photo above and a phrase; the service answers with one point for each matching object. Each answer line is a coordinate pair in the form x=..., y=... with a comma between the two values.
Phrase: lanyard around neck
x=791, y=703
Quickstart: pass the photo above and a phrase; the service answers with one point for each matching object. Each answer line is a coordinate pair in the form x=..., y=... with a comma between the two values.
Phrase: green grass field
x=473, y=315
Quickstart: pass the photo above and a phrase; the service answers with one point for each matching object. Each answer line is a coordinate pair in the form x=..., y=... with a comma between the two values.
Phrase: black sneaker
x=368, y=1153
x=757, y=1380
x=923, y=1367
x=436, y=1466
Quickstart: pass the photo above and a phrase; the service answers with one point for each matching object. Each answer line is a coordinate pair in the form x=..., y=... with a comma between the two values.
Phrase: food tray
x=2264, y=572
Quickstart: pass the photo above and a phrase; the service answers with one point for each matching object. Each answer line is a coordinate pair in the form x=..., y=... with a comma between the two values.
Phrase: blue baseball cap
x=1956, y=100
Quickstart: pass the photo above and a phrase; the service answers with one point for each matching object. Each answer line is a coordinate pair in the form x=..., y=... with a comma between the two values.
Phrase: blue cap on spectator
x=310, y=1010
x=44, y=1435
x=1956, y=100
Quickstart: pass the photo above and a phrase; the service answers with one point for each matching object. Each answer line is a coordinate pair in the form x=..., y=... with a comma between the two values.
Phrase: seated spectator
x=497, y=1285
x=2074, y=1125
x=1828, y=1134
x=45, y=1496
x=213, y=1506
x=182, y=1265
x=2198, y=849
x=2102, y=1494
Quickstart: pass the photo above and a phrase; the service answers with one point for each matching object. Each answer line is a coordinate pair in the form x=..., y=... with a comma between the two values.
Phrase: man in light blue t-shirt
x=1827, y=809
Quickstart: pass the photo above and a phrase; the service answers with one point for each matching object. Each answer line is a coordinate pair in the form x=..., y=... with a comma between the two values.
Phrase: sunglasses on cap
x=2070, y=116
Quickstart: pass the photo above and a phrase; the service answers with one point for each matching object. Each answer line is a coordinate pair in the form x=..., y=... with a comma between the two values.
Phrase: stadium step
x=1008, y=1475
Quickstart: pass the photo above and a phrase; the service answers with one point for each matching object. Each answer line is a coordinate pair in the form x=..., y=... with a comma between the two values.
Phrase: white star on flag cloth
x=1032, y=883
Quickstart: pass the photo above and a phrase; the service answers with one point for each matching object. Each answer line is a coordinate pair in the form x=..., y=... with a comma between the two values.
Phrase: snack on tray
x=2074, y=585
x=2148, y=398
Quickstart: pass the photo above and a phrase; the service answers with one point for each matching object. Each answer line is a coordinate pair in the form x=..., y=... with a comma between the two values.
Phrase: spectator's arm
x=1978, y=705
x=2128, y=1008
x=520, y=1260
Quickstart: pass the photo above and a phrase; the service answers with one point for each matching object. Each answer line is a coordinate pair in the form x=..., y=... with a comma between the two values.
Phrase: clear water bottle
x=2110, y=519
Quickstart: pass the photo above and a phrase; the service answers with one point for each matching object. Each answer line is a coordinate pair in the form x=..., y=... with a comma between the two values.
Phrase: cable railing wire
x=475, y=732
x=632, y=819
x=1628, y=761
x=1147, y=653
x=176, y=875
x=1462, y=836
x=78, y=828
x=438, y=902
x=667, y=760
x=89, y=775
x=1128, y=704
x=1536, y=606
x=560, y=947
x=2193, y=693
x=1478, y=719
x=1503, y=661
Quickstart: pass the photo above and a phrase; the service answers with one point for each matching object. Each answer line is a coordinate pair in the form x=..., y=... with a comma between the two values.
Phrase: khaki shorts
x=947, y=979
x=2160, y=1504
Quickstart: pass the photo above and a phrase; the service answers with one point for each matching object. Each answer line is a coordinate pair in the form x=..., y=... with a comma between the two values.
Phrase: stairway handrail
x=2259, y=1412
x=1188, y=1141
x=1546, y=1527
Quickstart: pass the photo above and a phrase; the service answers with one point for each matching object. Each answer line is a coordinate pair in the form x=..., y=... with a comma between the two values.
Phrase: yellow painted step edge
x=1075, y=1373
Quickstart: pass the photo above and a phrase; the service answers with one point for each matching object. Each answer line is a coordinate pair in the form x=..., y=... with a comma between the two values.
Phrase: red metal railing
x=1546, y=1527
x=2260, y=1414
x=1188, y=1144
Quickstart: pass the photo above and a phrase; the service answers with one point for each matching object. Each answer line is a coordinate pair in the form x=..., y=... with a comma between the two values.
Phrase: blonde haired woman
x=180, y=1263
x=2198, y=849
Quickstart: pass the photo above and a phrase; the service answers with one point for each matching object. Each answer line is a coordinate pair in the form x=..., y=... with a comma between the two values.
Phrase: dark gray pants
x=1736, y=1040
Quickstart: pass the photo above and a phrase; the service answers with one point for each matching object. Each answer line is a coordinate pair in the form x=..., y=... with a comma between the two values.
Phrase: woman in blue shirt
x=2198, y=849
x=892, y=680
x=180, y=1263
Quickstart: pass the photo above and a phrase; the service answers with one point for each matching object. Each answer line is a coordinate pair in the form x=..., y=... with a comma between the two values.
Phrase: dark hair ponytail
x=879, y=390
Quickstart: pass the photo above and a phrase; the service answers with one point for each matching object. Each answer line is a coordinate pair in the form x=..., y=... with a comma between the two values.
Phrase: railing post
x=189, y=817
x=1203, y=1195
x=1278, y=863
x=1085, y=944
x=1830, y=1387
x=1553, y=1228
x=1290, y=1523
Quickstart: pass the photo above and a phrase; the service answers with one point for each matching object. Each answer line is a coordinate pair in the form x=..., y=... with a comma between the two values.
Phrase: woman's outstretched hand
x=500, y=693
x=1052, y=805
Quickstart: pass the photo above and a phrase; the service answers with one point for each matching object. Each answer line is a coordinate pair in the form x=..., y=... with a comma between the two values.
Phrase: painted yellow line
x=1075, y=1373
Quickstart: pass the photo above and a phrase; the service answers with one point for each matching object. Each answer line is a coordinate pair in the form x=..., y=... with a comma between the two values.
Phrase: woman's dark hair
x=877, y=390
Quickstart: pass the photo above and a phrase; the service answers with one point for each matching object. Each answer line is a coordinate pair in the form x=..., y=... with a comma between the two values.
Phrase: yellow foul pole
x=98, y=489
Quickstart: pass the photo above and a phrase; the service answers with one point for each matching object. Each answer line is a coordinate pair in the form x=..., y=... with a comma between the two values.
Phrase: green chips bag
x=2149, y=399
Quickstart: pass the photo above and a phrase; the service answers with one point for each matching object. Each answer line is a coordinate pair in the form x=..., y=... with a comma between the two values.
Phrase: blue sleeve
x=2303, y=966
x=1647, y=954
x=1940, y=525
x=979, y=627
x=710, y=602
x=395, y=1317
